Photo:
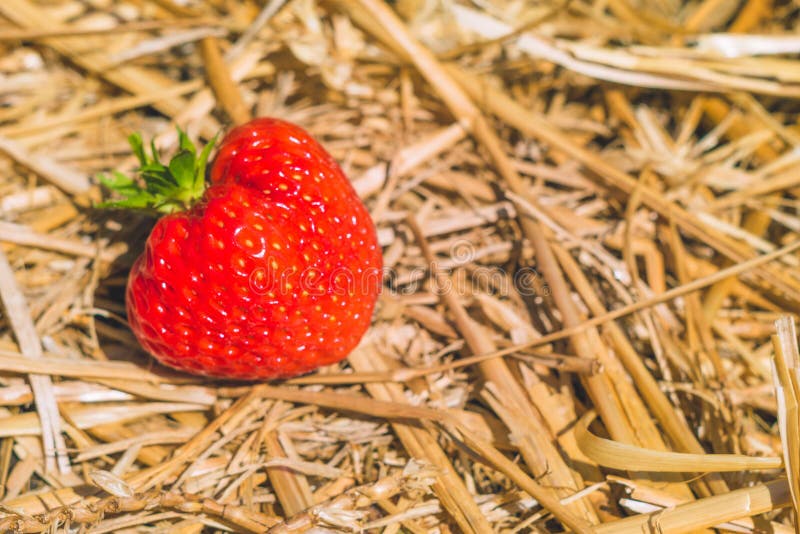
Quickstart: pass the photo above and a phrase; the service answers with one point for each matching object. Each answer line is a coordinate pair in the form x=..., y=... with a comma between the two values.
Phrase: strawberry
x=269, y=272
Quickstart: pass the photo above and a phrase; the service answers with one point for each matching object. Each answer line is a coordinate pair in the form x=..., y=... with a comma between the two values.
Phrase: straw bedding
x=588, y=212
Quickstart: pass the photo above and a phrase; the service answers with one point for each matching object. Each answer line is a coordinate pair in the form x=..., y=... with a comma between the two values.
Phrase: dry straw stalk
x=607, y=191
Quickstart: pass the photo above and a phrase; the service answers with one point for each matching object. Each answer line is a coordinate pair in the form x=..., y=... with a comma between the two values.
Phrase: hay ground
x=589, y=214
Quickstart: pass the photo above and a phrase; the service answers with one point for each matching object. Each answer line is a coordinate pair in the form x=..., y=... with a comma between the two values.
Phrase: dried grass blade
x=116, y=29
x=408, y=158
x=785, y=368
x=622, y=456
x=291, y=487
x=705, y=513
x=222, y=84
x=541, y=48
x=19, y=316
x=63, y=177
x=28, y=424
x=113, y=370
x=362, y=405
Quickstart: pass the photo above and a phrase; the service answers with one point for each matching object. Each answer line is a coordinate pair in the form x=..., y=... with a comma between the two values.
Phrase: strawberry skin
x=274, y=272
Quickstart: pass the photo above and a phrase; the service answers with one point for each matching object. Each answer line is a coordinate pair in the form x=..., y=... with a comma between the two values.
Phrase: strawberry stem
x=161, y=188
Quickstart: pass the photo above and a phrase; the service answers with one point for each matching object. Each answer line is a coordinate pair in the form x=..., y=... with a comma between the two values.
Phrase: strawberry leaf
x=185, y=143
x=201, y=162
x=154, y=151
x=160, y=187
x=181, y=167
x=135, y=140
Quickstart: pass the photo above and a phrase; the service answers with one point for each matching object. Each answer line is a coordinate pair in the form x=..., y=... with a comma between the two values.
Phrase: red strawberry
x=271, y=272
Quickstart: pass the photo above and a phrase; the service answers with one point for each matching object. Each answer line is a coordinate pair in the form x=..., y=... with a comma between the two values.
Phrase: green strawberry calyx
x=159, y=187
